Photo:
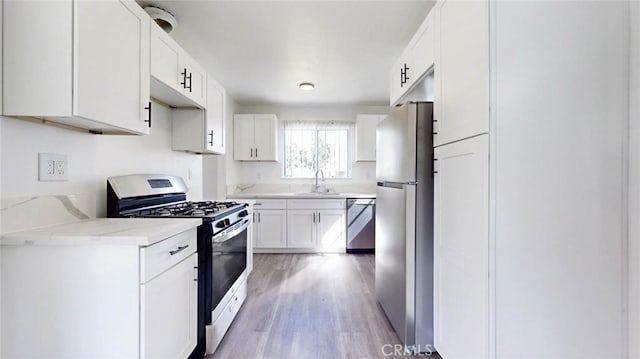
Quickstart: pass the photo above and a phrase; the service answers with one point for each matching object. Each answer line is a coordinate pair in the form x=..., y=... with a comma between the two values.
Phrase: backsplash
x=24, y=213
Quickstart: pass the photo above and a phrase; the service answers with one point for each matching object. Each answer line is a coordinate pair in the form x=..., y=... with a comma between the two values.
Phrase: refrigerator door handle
x=398, y=185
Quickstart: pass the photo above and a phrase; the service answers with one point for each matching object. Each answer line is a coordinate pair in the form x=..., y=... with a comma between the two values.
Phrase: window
x=309, y=147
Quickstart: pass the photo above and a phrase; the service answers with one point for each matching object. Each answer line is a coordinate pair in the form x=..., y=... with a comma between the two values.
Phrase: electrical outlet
x=52, y=167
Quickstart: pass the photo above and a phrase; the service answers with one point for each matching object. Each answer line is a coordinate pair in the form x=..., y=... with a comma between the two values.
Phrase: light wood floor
x=309, y=306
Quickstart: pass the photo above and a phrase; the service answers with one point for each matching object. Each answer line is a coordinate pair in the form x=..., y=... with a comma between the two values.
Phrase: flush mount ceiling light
x=307, y=86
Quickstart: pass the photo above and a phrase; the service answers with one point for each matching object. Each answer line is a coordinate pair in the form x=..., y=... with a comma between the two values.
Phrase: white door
x=111, y=82
x=169, y=315
x=215, y=126
x=423, y=49
x=463, y=70
x=165, y=55
x=196, y=80
x=271, y=229
x=243, y=128
x=301, y=228
x=461, y=249
x=332, y=224
x=265, y=137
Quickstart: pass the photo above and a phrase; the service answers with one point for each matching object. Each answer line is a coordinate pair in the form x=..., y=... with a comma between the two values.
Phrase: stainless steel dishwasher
x=361, y=225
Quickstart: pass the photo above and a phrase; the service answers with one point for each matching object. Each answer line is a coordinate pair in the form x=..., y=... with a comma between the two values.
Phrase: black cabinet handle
x=251, y=152
x=211, y=135
x=256, y=152
x=180, y=249
x=184, y=78
x=318, y=217
x=148, y=120
x=314, y=217
x=190, y=77
x=403, y=75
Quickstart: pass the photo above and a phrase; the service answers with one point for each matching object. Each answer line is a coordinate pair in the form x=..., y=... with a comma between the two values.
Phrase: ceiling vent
x=162, y=17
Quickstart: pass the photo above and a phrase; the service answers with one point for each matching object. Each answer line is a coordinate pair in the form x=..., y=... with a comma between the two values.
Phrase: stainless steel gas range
x=222, y=244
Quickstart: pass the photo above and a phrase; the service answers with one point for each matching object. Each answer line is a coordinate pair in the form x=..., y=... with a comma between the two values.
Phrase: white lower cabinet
x=301, y=228
x=332, y=225
x=102, y=292
x=461, y=249
x=169, y=321
x=270, y=228
x=307, y=225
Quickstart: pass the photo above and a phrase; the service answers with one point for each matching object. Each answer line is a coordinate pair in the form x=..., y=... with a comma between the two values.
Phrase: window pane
x=300, y=147
x=333, y=155
x=311, y=146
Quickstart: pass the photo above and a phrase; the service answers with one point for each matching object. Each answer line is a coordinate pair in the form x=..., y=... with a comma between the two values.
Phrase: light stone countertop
x=300, y=195
x=104, y=231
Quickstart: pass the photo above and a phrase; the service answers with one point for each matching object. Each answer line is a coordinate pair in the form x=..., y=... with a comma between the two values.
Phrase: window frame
x=348, y=126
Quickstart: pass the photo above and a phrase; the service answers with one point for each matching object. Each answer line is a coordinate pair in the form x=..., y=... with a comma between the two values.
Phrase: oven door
x=229, y=258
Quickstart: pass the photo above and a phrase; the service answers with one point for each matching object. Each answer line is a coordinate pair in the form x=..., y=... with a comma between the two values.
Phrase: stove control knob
x=221, y=224
x=243, y=214
x=227, y=222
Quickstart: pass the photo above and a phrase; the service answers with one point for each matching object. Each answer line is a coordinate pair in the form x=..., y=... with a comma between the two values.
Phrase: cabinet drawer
x=161, y=256
x=338, y=203
x=270, y=204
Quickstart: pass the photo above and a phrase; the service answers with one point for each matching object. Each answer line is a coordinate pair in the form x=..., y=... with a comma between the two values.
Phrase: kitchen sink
x=317, y=194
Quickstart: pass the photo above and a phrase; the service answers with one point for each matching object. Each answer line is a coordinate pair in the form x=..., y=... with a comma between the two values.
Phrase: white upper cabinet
x=416, y=60
x=88, y=69
x=202, y=131
x=176, y=78
x=255, y=137
x=462, y=71
x=366, y=126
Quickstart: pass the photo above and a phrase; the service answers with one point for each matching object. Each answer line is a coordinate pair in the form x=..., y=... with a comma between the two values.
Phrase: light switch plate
x=52, y=167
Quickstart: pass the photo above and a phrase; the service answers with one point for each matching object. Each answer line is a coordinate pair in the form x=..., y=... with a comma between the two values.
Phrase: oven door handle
x=231, y=232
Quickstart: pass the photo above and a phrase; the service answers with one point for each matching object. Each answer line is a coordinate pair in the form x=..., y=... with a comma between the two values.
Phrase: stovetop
x=206, y=209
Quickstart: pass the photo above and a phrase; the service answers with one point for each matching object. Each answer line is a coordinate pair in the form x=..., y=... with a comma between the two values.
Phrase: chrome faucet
x=317, y=187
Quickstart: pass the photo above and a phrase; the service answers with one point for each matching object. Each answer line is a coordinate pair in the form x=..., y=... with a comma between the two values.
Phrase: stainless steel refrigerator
x=404, y=223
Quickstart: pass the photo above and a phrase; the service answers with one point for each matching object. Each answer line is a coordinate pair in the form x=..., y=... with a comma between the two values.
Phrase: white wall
x=634, y=185
x=91, y=158
x=271, y=172
x=561, y=122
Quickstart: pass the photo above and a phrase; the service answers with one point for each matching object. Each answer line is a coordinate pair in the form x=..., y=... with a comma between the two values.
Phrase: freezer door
x=396, y=145
x=395, y=221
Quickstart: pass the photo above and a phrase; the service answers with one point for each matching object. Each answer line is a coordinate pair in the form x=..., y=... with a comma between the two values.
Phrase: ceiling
x=261, y=50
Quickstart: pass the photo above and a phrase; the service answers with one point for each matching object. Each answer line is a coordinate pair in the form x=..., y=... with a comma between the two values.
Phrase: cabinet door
x=301, y=228
x=461, y=249
x=463, y=71
x=165, y=58
x=243, y=128
x=366, y=137
x=265, y=138
x=37, y=85
x=196, y=77
x=423, y=46
x=271, y=229
x=397, y=88
x=215, y=112
x=111, y=82
x=332, y=228
x=169, y=315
